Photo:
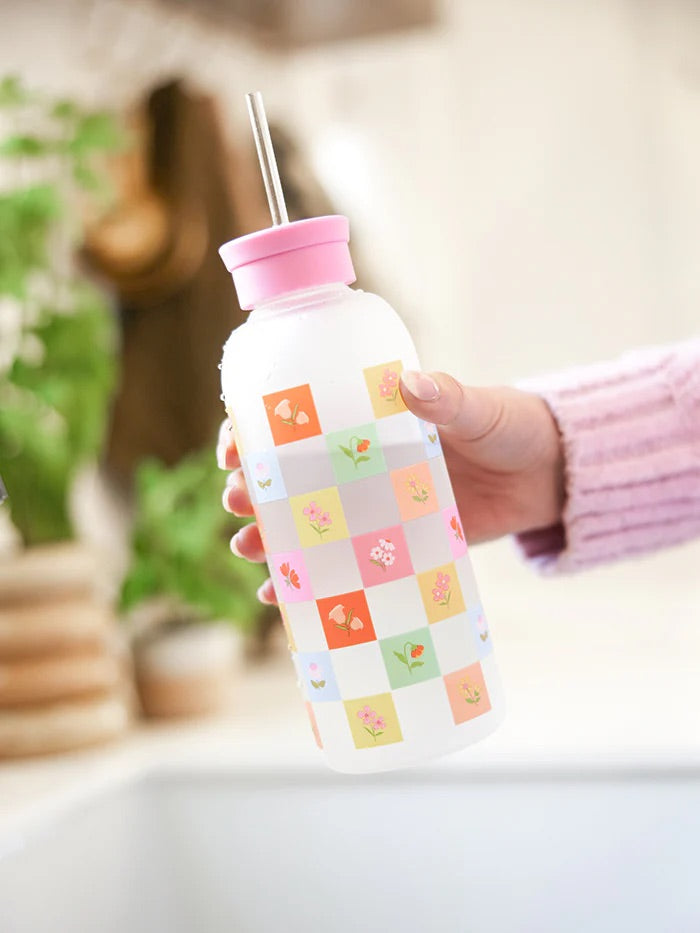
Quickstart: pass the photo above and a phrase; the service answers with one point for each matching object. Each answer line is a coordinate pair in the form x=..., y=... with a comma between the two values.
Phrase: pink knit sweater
x=631, y=436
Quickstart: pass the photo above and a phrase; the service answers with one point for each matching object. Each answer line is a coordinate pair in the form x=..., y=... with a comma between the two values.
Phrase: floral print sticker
x=373, y=721
x=413, y=488
x=319, y=517
x=265, y=481
x=409, y=658
x=355, y=453
x=383, y=387
x=454, y=531
x=346, y=619
x=291, y=415
x=382, y=555
x=467, y=693
x=318, y=677
x=441, y=592
x=290, y=577
x=431, y=439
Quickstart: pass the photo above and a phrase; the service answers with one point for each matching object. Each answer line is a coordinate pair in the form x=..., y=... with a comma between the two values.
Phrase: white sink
x=497, y=852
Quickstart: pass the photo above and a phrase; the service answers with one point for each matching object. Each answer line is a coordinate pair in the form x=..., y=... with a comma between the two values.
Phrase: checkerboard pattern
x=368, y=558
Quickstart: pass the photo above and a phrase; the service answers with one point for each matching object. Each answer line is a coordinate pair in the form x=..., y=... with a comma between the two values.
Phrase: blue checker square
x=480, y=630
x=431, y=439
x=265, y=477
x=317, y=675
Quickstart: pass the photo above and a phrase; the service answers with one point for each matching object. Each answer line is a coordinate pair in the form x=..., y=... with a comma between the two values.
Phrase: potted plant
x=185, y=594
x=57, y=344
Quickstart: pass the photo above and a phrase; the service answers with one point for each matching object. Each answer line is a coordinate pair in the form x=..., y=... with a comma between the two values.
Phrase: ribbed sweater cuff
x=631, y=438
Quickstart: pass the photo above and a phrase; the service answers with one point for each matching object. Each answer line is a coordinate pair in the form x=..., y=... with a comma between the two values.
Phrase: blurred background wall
x=521, y=175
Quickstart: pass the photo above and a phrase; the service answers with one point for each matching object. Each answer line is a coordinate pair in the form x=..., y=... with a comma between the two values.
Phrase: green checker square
x=355, y=453
x=409, y=658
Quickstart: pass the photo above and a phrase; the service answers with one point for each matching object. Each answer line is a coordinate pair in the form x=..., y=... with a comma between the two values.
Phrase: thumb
x=467, y=413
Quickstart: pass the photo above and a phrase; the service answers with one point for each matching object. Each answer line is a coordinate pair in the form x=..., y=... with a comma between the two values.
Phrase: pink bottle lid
x=289, y=257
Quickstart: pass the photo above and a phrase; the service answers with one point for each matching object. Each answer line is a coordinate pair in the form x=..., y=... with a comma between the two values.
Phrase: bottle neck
x=304, y=298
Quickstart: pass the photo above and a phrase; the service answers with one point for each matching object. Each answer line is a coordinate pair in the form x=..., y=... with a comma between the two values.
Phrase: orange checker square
x=383, y=387
x=414, y=491
x=292, y=415
x=467, y=693
x=441, y=592
x=346, y=620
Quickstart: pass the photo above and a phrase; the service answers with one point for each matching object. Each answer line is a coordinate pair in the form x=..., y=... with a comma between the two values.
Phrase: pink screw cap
x=288, y=258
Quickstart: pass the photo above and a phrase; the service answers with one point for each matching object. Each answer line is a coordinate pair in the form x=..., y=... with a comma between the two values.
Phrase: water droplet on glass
x=222, y=397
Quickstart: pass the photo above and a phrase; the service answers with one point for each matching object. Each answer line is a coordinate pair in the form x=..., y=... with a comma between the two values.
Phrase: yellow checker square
x=373, y=721
x=383, y=387
x=441, y=592
x=287, y=627
x=319, y=517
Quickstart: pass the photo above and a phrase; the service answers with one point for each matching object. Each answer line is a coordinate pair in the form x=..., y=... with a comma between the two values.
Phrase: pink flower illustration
x=316, y=676
x=441, y=589
x=373, y=722
x=289, y=415
x=382, y=554
x=318, y=520
x=482, y=626
x=345, y=620
x=264, y=480
x=388, y=387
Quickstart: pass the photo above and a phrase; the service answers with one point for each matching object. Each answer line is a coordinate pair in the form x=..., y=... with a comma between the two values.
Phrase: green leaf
x=417, y=664
x=95, y=132
x=347, y=451
x=318, y=684
x=12, y=94
x=401, y=657
x=65, y=110
x=362, y=459
x=21, y=145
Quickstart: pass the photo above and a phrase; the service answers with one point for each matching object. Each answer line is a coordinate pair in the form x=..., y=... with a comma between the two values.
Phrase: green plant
x=57, y=336
x=180, y=543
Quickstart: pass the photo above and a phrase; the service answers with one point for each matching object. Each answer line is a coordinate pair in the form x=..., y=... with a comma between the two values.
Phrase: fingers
x=236, y=498
x=266, y=593
x=248, y=544
x=471, y=413
x=226, y=454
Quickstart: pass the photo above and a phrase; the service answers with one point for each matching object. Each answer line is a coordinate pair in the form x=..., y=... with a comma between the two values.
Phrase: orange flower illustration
x=457, y=528
x=291, y=577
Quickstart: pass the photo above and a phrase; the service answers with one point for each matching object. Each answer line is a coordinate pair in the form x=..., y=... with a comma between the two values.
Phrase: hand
x=501, y=446
x=502, y=449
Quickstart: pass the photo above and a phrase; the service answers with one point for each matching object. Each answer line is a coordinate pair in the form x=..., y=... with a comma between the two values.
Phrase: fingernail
x=224, y=499
x=263, y=596
x=423, y=386
x=234, y=545
x=221, y=456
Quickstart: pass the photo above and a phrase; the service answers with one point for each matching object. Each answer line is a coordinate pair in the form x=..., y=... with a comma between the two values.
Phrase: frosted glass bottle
x=363, y=539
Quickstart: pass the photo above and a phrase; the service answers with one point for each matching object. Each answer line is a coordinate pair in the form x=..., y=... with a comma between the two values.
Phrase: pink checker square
x=414, y=491
x=382, y=556
x=455, y=531
x=290, y=577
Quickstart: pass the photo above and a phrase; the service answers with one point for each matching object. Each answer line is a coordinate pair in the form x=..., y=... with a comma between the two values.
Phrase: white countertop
x=601, y=670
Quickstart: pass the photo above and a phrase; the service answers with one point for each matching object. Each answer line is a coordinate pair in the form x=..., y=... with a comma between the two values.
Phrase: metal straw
x=266, y=155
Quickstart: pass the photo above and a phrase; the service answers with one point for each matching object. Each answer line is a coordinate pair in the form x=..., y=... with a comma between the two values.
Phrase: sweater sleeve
x=631, y=438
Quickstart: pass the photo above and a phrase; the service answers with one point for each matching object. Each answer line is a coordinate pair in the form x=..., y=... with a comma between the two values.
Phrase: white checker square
x=454, y=643
x=467, y=581
x=424, y=713
x=396, y=607
x=360, y=671
x=401, y=440
x=306, y=627
x=441, y=482
x=305, y=465
x=369, y=504
x=332, y=722
x=428, y=543
x=279, y=531
x=332, y=568
x=336, y=406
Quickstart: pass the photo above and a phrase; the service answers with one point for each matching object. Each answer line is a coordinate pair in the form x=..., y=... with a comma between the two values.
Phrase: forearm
x=630, y=432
